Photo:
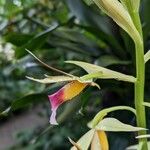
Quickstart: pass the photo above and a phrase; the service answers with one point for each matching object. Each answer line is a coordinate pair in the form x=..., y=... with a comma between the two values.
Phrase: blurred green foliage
x=57, y=31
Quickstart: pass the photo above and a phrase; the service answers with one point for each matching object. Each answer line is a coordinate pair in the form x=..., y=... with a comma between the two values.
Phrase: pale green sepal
x=75, y=145
x=104, y=73
x=90, y=76
x=85, y=141
x=114, y=125
x=104, y=112
x=146, y=104
x=143, y=136
x=147, y=56
x=54, y=79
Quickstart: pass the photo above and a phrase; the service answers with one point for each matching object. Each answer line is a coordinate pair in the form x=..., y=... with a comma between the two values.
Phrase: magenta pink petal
x=56, y=100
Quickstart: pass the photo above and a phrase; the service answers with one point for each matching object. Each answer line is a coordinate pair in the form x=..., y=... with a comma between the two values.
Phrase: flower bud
x=120, y=15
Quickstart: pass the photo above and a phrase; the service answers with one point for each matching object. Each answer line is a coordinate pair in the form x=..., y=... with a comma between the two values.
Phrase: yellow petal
x=99, y=141
x=72, y=89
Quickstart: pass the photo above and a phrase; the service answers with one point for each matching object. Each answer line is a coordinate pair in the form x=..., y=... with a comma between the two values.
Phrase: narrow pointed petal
x=84, y=142
x=99, y=141
x=66, y=93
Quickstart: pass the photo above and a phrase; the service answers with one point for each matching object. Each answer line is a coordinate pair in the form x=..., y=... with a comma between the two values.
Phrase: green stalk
x=139, y=92
x=140, y=75
x=140, y=83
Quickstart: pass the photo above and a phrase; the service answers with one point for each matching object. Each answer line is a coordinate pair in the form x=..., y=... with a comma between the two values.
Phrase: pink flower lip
x=56, y=100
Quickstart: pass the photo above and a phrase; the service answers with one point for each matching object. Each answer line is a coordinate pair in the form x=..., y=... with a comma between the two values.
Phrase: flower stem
x=140, y=82
x=139, y=92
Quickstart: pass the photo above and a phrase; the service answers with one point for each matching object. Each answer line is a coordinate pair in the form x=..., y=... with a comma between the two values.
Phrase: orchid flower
x=96, y=137
x=66, y=93
x=75, y=86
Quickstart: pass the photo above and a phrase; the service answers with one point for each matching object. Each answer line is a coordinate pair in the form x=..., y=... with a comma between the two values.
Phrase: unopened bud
x=120, y=15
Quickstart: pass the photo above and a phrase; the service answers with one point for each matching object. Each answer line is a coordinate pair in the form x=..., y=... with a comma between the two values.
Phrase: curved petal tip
x=53, y=118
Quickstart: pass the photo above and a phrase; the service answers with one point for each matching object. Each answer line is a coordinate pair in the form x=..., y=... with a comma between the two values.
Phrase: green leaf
x=28, y=100
x=36, y=42
x=147, y=56
x=24, y=102
x=95, y=22
x=106, y=73
x=114, y=125
x=99, y=116
x=84, y=13
x=17, y=38
x=85, y=141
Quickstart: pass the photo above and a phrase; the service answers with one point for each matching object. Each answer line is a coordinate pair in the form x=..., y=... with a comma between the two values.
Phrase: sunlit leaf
x=106, y=73
x=85, y=141
x=114, y=125
x=147, y=56
x=99, y=116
